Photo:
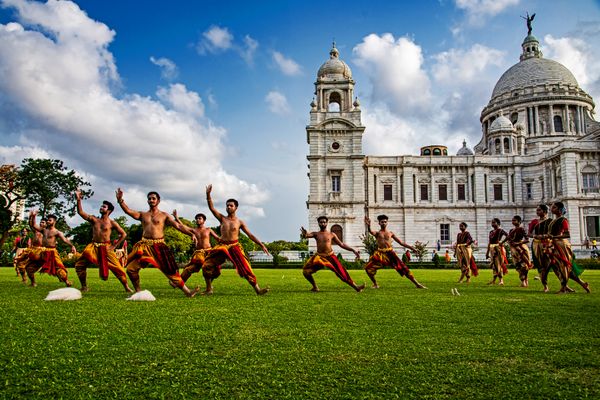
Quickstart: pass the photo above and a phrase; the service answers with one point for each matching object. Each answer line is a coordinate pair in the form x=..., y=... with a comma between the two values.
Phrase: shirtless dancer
x=229, y=248
x=325, y=258
x=47, y=258
x=385, y=254
x=202, y=235
x=152, y=251
x=101, y=252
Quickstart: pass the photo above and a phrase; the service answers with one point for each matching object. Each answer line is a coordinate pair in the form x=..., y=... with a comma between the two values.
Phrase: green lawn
x=395, y=342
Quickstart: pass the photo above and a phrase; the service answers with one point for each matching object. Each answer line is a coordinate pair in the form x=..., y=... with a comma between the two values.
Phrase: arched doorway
x=338, y=232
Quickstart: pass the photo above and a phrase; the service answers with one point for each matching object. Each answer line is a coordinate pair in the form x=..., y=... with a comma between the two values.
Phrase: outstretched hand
x=208, y=189
x=175, y=214
x=119, y=194
x=78, y=194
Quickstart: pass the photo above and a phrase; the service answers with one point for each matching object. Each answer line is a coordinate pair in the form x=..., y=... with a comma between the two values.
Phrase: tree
x=49, y=185
x=369, y=243
x=420, y=249
x=11, y=194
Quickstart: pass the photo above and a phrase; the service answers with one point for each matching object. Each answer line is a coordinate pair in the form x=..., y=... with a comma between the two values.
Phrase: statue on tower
x=528, y=18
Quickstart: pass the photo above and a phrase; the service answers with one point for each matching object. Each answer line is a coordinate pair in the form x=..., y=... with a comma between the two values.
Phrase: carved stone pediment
x=498, y=180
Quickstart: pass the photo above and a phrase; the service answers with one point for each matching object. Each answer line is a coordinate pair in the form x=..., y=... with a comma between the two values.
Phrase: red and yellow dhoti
x=153, y=253
x=330, y=261
x=48, y=260
x=521, y=258
x=196, y=263
x=101, y=255
x=383, y=257
x=498, y=260
x=466, y=261
x=561, y=257
x=233, y=252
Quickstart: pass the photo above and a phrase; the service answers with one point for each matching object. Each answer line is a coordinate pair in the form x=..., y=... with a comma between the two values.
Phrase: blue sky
x=171, y=96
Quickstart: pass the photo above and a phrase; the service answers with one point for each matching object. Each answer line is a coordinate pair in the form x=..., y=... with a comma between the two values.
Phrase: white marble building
x=540, y=143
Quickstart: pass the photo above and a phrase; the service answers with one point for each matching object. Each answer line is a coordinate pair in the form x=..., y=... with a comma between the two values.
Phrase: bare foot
x=194, y=292
x=315, y=289
x=586, y=286
x=68, y=283
x=262, y=291
x=569, y=290
x=360, y=288
x=173, y=284
x=537, y=278
x=207, y=292
x=33, y=284
x=546, y=289
x=85, y=289
x=128, y=289
x=419, y=286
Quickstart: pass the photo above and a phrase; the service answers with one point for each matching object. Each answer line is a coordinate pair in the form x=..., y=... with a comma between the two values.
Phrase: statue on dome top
x=528, y=18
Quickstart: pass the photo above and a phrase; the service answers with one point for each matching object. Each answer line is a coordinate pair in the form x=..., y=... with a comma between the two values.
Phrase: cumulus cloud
x=215, y=39
x=395, y=70
x=277, y=102
x=168, y=69
x=248, y=50
x=56, y=74
x=286, y=65
x=579, y=57
x=459, y=66
x=478, y=11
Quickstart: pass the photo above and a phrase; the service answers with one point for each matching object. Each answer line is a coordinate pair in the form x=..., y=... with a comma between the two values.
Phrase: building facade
x=540, y=144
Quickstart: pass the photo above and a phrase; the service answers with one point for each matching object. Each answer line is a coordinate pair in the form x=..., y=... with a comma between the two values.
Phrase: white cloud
x=56, y=71
x=215, y=39
x=248, y=50
x=168, y=69
x=395, y=70
x=579, y=57
x=286, y=65
x=478, y=11
x=459, y=66
x=277, y=102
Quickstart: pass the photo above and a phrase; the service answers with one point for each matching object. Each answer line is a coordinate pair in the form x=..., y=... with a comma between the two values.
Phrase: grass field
x=395, y=342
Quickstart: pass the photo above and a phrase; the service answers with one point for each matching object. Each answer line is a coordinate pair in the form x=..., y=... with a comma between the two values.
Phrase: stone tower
x=334, y=135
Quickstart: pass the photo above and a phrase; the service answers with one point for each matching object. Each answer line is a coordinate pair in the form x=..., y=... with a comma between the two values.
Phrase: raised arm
x=32, y=224
x=80, y=211
x=401, y=243
x=180, y=227
x=305, y=234
x=66, y=241
x=344, y=246
x=133, y=214
x=211, y=206
x=244, y=228
x=121, y=232
x=187, y=230
x=368, y=225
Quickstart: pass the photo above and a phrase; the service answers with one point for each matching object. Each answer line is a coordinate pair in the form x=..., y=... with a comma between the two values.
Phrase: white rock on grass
x=64, y=294
x=144, y=295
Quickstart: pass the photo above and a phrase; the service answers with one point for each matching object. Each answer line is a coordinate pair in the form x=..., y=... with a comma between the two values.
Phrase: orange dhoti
x=47, y=260
x=466, y=261
x=386, y=257
x=196, y=263
x=21, y=258
x=106, y=259
x=498, y=260
x=522, y=259
x=233, y=251
x=153, y=253
x=561, y=258
x=330, y=261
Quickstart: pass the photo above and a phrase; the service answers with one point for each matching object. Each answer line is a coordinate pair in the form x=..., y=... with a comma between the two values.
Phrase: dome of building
x=434, y=150
x=501, y=124
x=531, y=72
x=334, y=67
x=464, y=151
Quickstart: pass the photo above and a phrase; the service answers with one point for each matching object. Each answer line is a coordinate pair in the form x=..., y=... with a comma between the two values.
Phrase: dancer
x=542, y=244
x=21, y=250
x=101, y=252
x=47, y=258
x=464, y=254
x=23, y=258
x=202, y=235
x=496, y=253
x=151, y=250
x=324, y=258
x=561, y=254
x=517, y=240
x=385, y=254
x=229, y=247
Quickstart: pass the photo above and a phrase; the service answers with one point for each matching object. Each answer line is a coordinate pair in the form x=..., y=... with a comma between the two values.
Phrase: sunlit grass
x=395, y=342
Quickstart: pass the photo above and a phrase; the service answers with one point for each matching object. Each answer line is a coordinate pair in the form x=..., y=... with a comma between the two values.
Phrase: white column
x=536, y=117
x=567, y=120
x=551, y=117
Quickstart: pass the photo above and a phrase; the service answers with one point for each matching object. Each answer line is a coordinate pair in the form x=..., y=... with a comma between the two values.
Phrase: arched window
x=437, y=152
x=426, y=152
x=335, y=102
x=338, y=232
x=497, y=145
x=506, y=145
x=445, y=152
x=514, y=117
x=558, y=125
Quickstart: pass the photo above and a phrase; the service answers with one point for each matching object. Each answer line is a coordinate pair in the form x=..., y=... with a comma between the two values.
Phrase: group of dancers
x=551, y=249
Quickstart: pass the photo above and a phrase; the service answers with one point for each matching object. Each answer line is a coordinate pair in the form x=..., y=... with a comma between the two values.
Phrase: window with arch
x=506, y=145
x=437, y=152
x=497, y=146
x=514, y=117
x=445, y=152
x=338, y=232
x=558, y=123
x=426, y=152
x=335, y=102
